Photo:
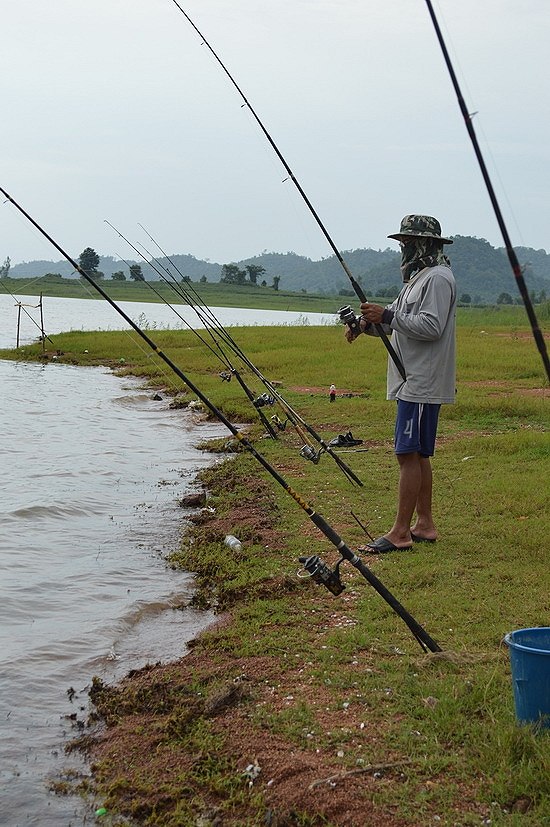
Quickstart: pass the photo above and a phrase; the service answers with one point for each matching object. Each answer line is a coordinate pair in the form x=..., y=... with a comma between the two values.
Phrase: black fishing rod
x=218, y=352
x=354, y=283
x=308, y=451
x=211, y=323
x=257, y=402
x=319, y=571
x=512, y=257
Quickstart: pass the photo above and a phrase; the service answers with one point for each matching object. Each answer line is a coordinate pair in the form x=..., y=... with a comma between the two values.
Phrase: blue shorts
x=416, y=428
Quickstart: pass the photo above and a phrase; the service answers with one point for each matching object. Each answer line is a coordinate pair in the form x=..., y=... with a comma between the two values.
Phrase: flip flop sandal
x=383, y=546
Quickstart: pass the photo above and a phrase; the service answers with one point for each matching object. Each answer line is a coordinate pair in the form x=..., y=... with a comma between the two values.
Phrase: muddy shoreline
x=163, y=726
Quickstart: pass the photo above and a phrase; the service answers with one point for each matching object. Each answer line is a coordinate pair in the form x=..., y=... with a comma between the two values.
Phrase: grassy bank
x=301, y=708
x=214, y=294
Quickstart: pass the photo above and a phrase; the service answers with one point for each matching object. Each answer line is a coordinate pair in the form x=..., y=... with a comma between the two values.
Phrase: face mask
x=419, y=253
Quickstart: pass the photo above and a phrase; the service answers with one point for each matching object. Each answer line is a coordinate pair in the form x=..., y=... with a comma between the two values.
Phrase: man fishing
x=422, y=323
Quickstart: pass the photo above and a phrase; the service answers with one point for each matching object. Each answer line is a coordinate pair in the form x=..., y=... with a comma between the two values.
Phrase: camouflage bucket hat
x=420, y=226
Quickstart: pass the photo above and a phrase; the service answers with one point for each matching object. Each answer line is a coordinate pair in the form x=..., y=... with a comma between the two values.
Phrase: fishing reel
x=323, y=574
x=349, y=317
x=278, y=423
x=262, y=400
x=309, y=453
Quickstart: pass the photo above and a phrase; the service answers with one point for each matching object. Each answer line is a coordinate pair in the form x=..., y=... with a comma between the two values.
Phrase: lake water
x=89, y=314
x=93, y=467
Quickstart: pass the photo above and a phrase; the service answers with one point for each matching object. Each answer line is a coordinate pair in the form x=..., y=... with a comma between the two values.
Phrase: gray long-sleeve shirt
x=423, y=336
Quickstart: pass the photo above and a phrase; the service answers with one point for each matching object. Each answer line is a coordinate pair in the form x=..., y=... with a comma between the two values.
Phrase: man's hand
x=372, y=312
x=351, y=333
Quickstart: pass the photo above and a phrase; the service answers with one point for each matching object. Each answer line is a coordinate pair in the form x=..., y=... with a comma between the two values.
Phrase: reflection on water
x=92, y=472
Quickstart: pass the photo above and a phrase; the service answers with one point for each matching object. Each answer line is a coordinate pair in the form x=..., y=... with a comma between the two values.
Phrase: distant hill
x=482, y=271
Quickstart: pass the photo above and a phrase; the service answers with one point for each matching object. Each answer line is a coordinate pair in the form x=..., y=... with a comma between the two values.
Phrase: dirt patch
x=505, y=389
x=291, y=779
x=535, y=391
x=520, y=334
x=312, y=781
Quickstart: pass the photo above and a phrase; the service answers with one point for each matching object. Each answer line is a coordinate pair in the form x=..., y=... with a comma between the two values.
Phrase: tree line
x=482, y=272
x=230, y=273
x=233, y=274
x=89, y=262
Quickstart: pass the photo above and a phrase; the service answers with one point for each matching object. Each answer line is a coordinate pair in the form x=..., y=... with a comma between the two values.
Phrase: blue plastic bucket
x=530, y=661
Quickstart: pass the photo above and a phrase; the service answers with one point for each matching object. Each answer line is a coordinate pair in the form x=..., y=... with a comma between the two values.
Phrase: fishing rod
x=218, y=353
x=512, y=257
x=257, y=401
x=354, y=283
x=314, y=566
x=308, y=451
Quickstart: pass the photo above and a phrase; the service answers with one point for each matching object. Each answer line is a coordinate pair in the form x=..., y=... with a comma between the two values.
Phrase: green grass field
x=340, y=680
x=214, y=294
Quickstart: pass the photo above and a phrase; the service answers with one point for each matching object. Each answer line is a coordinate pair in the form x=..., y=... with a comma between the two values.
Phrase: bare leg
x=424, y=526
x=411, y=481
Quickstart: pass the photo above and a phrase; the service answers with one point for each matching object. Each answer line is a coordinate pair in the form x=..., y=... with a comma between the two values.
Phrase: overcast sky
x=113, y=109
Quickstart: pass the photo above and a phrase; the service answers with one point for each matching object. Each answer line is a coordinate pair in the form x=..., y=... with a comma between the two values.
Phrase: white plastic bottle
x=233, y=542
